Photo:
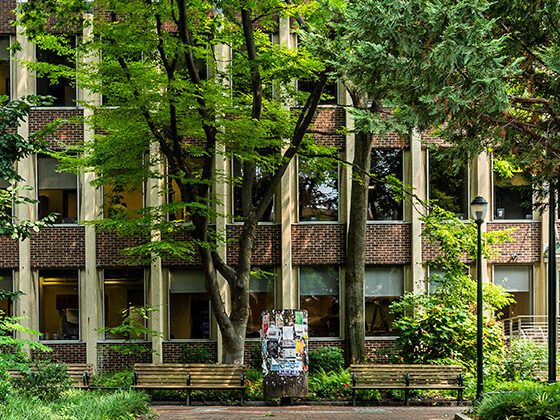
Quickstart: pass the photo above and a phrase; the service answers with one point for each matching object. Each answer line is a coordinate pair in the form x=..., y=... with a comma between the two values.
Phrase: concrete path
x=302, y=412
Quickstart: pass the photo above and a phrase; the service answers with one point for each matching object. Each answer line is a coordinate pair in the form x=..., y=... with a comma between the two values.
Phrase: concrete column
x=23, y=85
x=540, y=273
x=91, y=281
x=415, y=175
x=482, y=186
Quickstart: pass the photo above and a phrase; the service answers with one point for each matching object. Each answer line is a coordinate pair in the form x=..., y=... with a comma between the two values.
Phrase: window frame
x=403, y=202
x=102, y=206
x=12, y=274
x=531, y=282
x=11, y=69
x=492, y=210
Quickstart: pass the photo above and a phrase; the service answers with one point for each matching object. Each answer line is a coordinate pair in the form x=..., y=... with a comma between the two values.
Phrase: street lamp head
x=479, y=207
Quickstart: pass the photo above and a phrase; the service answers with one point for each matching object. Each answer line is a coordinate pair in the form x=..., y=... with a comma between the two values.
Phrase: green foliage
x=535, y=401
x=5, y=385
x=121, y=379
x=255, y=353
x=525, y=360
x=254, y=382
x=327, y=359
x=133, y=328
x=333, y=385
x=78, y=405
x=440, y=327
x=46, y=381
x=195, y=354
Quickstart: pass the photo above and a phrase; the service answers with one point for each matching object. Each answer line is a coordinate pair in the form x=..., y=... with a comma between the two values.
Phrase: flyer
x=288, y=333
x=273, y=332
x=299, y=318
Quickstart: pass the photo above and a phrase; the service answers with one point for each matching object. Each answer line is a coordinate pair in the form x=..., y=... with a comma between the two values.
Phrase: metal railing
x=530, y=327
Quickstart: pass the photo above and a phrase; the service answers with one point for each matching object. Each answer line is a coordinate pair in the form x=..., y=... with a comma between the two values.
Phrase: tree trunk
x=355, y=255
x=234, y=347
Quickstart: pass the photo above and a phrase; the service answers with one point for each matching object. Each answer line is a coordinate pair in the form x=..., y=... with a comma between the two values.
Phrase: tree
x=401, y=63
x=165, y=69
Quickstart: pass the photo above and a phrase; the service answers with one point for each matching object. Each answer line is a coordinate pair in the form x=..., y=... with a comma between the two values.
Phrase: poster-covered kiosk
x=284, y=338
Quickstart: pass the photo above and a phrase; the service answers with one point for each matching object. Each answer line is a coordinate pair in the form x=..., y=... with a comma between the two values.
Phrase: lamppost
x=479, y=206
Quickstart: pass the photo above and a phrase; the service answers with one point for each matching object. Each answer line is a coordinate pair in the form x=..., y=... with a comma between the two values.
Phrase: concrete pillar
x=23, y=85
x=91, y=281
x=416, y=177
x=540, y=273
x=482, y=186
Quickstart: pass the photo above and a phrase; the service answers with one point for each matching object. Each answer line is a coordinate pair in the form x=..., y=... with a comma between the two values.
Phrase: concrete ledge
x=461, y=416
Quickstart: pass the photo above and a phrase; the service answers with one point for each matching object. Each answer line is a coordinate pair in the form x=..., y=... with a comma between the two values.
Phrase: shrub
x=328, y=359
x=255, y=353
x=536, y=401
x=195, y=354
x=121, y=379
x=333, y=385
x=525, y=360
x=5, y=385
x=46, y=381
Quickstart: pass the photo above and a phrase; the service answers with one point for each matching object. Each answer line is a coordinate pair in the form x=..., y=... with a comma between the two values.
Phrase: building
x=75, y=282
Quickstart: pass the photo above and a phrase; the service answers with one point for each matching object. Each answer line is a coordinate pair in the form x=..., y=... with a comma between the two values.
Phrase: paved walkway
x=302, y=412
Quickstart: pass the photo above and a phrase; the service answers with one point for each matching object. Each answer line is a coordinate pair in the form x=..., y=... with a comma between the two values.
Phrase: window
x=517, y=280
x=383, y=286
x=120, y=200
x=513, y=197
x=5, y=84
x=261, y=298
x=318, y=294
x=183, y=212
x=448, y=184
x=58, y=191
x=381, y=203
x=6, y=283
x=330, y=91
x=318, y=192
x=189, y=305
x=59, y=305
x=62, y=89
x=261, y=182
x=123, y=289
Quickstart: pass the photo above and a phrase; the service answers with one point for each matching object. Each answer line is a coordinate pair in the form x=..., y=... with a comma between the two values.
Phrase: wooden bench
x=189, y=377
x=407, y=377
x=79, y=373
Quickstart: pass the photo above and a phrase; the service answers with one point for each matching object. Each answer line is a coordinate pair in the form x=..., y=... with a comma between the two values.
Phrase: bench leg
x=460, y=397
x=243, y=397
x=353, y=398
x=188, y=397
x=406, y=399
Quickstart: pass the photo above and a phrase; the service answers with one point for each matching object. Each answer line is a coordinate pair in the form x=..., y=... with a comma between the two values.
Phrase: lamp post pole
x=479, y=206
x=552, y=287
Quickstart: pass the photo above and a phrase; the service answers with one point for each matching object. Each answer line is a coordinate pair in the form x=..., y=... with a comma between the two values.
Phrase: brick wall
x=380, y=351
x=67, y=134
x=111, y=361
x=58, y=247
x=388, y=243
x=6, y=16
x=318, y=244
x=266, y=246
x=9, y=253
x=109, y=246
x=195, y=261
x=526, y=243
x=330, y=120
x=63, y=352
x=172, y=350
x=429, y=138
x=391, y=140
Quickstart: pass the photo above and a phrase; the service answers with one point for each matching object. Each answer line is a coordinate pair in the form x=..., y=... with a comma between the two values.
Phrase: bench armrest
x=134, y=378
x=460, y=379
x=407, y=379
x=188, y=379
x=85, y=379
x=243, y=380
x=354, y=379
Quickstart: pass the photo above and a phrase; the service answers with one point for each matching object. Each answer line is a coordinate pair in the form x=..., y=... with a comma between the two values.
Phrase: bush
x=333, y=385
x=195, y=354
x=525, y=360
x=536, y=401
x=45, y=380
x=328, y=359
x=255, y=353
x=118, y=379
x=5, y=385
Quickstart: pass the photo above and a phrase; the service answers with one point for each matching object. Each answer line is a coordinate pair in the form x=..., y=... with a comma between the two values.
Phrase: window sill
x=319, y=222
x=115, y=341
x=514, y=221
x=61, y=341
x=381, y=338
x=259, y=223
x=57, y=108
x=388, y=222
x=190, y=340
x=325, y=339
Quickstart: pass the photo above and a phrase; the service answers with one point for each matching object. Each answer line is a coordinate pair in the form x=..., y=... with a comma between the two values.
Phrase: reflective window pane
x=59, y=305
x=261, y=182
x=318, y=192
x=63, y=90
x=189, y=305
x=5, y=86
x=6, y=283
x=120, y=200
x=319, y=295
x=517, y=280
x=381, y=203
x=513, y=197
x=448, y=184
x=383, y=286
x=261, y=298
x=58, y=191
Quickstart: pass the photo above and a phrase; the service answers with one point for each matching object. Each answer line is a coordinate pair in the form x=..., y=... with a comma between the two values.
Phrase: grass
x=78, y=405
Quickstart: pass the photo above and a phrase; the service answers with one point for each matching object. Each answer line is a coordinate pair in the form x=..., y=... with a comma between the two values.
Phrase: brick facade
x=58, y=247
x=192, y=261
x=7, y=16
x=330, y=120
x=109, y=246
x=172, y=349
x=9, y=253
x=380, y=351
x=525, y=248
x=109, y=360
x=318, y=244
x=62, y=352
x=67, y=134
x=266, y=246
x=388, y=243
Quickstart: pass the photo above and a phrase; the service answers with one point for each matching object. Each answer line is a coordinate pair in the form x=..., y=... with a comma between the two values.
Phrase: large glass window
x=383, y=286
x=381, y=203
x=6, y=283
x=189, y=305
x=58, y=191
x=318, y=192
x=118, y=199
x=59, y=305
x=319, y=295
x=123, y=290
x=448, y=184
x=5, y=86
x=513, y=197
x=183, y=213
x=63, y=89
x=517, y=280
x=261, y=298
x=259, y=187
